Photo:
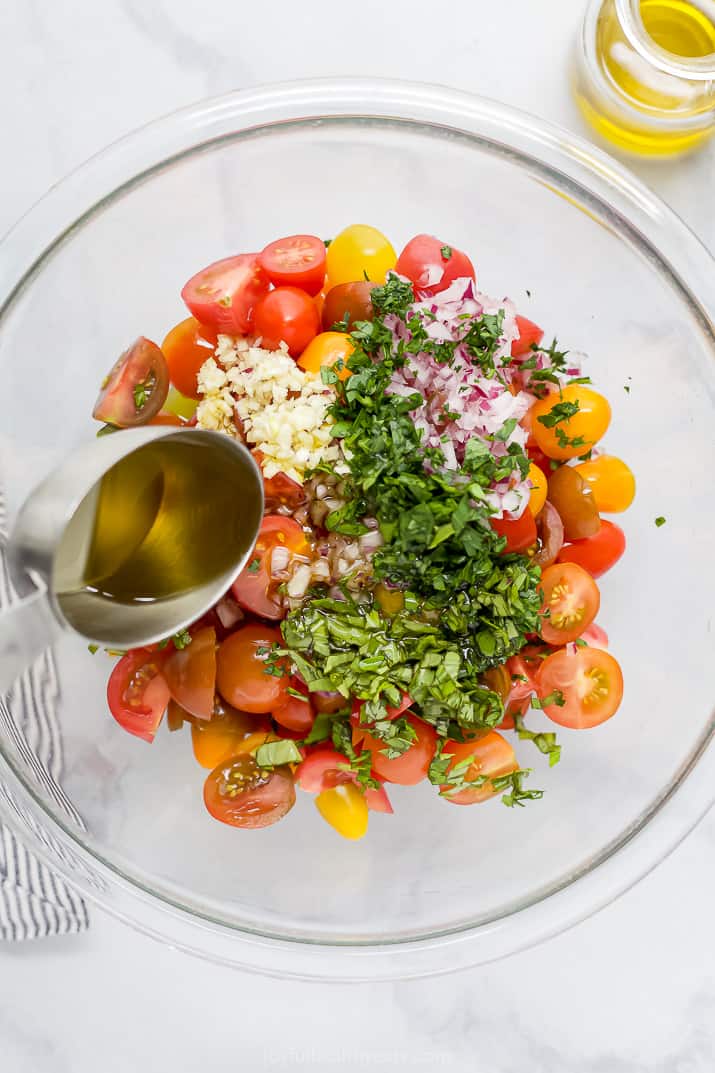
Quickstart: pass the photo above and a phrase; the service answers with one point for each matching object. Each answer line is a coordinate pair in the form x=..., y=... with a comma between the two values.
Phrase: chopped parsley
x=660, y=520
x=446, y=252
x=254, y=566
x=561, y=411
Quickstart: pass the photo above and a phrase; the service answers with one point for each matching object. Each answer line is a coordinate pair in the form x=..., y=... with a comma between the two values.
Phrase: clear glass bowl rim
x=555, y=157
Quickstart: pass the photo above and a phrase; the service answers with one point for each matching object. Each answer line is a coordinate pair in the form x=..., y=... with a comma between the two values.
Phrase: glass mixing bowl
x=585, y=250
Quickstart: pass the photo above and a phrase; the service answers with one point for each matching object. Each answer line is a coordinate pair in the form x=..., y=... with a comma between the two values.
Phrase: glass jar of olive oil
x=645, y=73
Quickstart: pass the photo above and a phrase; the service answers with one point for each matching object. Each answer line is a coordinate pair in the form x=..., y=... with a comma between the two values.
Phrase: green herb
x=93, y=648
x=275, y=753
x=580, y=643
x=627, y=389
x=105, y=430
x=297, y=694
x=360, y=764
x=555, y=697
x=545, y=742
x=660, y=520
x=528, y=293
x=142, y=391
x=274, y=664
x=446, y=252
x=517, y=795
x=182, y=639
x=326, y=242
x=321, y=730
x=561, y=411
x=254, y=566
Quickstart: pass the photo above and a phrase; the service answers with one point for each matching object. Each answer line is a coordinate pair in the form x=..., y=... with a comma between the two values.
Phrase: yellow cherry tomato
x=345, y=809
x=537, y=496
x=326, y=349
x=569, y=432
x=358, y=251
x=612, y=483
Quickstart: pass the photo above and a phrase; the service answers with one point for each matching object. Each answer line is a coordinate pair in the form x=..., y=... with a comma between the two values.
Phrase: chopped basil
x=275, y=753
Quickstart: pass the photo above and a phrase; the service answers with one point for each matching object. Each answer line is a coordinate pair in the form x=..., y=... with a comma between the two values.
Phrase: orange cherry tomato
x=611, y=481
x=590, y=683
x=537, y=496
x=186, y=348
x=489, y=755
x=226, y=734
x=563, y=432
x=242, y=677
x=326, y=349
x=571, y=602
x=191, y=674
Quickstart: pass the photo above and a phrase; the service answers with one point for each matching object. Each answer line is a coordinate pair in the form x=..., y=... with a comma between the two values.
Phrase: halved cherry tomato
x=514, y=707
x=286, y=315
x=591, y=682
x=550, y=531
x=489, y=755
x=295, y=261
x=226, y=734
x=530, y=334
x=392, y=711
x=344, y=807
x=255, y=588
x=191, y=674
x=328, y=701
x=322, y=768
x=186, y=347
x=137, y=692
x=359, y=252
x=242, y=794
x=432, y=264
x=242, y=678
x=280, y=490
x=498, y=679
x=611, y=481
x=565, y=437
x=537, y=496
x=135, y=388
x=326, y=349
x=523, y=669
x=296, y=713
x=598, y=553
x=520, y=532
x=167, y=419
x=409, y=768
x=348, y=302
x=595, y=636
x=573, y=499
x=571, y=602
x=224, y=294
x=377, y=800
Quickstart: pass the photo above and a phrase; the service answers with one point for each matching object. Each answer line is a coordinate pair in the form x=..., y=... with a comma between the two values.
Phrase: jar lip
x=696, y=68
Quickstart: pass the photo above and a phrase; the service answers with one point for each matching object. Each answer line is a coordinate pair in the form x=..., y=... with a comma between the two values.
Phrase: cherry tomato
x=411, y=767
x=295, y=261
x=591, y=682
x=224, y=295
x=433, y=265
x=226, y=734
x=530, y=334
x=514, y=707
x=520, y=532
x=242, y=794
x=242, y=677
x=191, y=674
x=348, y=300
x=286, y=315
x=296, y=713
x=537, y=496
x=585, y=427
x=523, y=669
x=255, y=588
x=167, y=419
x=322, y=768
x=498, y=679
x=598, y=553
x=595, y=636
x=281, y=491
x=573, y=499
x=186, y=348
x=328, y=701
x=571, y=602
x=488, y=755
x=359, y=252
x=611, y=481
x=137, y=692
x=550, y=531
x=136, y=387
x=326, y=349
x=392, y=711
x=345, y=809
x=377, y=800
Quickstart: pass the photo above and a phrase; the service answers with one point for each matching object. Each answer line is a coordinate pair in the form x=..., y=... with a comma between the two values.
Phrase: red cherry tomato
x=191, y=674
x=186, y=348
x=412, y=766
x=377, y=800
x=488, y=755
x=242, y=794
x=295, y=713
x=597, y=553
x=255, y=588
x=529, y=334
x=242, y=677
x=137, y=692
x=432, y=264
x=296, y=261
x=595, y=636
x=392, y=712
x=286, y=315
x=591, y=684
x=323, y=768
x=520, y=532
x=523, y=668
x=282, y=491
x=571, y=602
x=514, y=707
x=224, y=295
x=136, y=387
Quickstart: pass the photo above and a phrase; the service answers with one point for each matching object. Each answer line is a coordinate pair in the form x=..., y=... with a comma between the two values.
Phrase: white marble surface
x=629, y=991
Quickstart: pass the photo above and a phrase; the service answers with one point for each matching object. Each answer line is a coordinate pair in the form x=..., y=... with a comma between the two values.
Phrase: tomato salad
x=425, y=574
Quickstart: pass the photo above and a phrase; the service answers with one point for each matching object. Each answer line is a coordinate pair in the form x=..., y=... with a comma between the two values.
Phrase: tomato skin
x=241, y=794
x=227, y=734
x=537, y=495
x=573, y=499
x=412, y=766
x=186, y=347
x=377, y=800
x=137, y=692
x=520, y=532
x=424, y=263
x=530, y=334
x=295, y=261
x=295, y=714
x=223, y=295
x=588, y=423
x=323, y=768
x=326, y=349
x=491, y=755
x=591, y=682
x=359, y=252
x=241, y=677
x=572, y=600
x=351, y=300
x=286, y=315
x=191, y=674
x=254, y=588
x=141, y=363
x=598, y=553
x=611, y=481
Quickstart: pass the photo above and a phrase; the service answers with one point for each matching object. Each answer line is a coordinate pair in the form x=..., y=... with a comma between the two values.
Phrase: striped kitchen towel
x=34, y=901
